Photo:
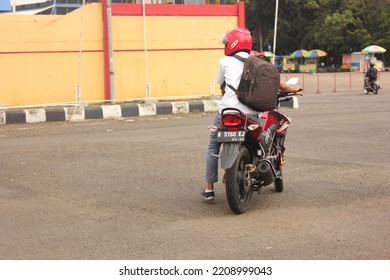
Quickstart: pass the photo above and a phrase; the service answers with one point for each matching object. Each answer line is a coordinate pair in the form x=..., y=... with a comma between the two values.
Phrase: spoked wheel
x=278, y=183
x=238, y=193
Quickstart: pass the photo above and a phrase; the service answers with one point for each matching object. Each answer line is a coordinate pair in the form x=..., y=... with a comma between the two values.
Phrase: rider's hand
x=295, y=88
x=288, y=88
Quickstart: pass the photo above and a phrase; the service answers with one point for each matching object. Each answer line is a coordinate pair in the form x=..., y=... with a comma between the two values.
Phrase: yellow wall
x=40, y=60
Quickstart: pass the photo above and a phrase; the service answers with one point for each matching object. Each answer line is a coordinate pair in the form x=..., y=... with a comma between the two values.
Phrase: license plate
x=230, y=136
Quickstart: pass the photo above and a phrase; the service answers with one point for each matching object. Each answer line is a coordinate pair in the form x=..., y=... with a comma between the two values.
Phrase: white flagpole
x=275, y=28
x=14, y=6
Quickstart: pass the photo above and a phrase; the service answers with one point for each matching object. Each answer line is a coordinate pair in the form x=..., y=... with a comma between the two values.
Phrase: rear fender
x=230, y=152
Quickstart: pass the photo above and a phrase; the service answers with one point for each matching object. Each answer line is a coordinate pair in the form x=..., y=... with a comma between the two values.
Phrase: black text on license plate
x=230, y=136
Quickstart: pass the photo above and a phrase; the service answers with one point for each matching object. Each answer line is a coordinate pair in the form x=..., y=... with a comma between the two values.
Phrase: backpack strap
x=240, y=59
x=223, y=87
x=235, y=90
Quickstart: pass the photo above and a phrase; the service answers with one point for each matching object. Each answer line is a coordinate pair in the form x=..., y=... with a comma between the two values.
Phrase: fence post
x=350, y=81
x=318, y=84
x=212, y=87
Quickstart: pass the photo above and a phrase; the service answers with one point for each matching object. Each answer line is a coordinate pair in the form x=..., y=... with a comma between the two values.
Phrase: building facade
x=170, y=51
x=62, y=7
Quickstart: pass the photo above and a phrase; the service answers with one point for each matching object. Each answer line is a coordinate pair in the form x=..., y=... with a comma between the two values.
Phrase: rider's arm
x=220, y=74
x=283, y=86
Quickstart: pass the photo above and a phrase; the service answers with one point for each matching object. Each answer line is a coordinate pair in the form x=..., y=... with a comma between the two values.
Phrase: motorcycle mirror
x=292, y=81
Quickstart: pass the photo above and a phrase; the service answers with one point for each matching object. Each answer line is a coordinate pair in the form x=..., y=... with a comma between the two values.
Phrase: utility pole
x=110, y=51
x=148, y=90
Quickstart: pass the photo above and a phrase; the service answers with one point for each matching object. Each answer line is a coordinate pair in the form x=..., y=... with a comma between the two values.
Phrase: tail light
x=232, y=121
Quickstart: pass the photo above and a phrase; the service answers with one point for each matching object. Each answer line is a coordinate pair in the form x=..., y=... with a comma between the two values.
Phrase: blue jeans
x=212, y=156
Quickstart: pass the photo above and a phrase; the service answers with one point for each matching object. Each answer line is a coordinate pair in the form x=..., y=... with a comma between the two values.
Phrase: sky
x=5, y=5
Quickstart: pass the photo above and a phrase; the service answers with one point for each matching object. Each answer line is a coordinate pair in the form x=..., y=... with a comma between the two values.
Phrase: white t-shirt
x=230, y=70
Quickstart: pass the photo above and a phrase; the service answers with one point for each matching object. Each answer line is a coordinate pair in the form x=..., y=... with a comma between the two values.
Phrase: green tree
x=337, y=26
x=259, y=19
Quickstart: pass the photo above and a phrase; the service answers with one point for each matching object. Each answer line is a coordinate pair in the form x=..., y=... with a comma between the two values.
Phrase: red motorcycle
x=252, y=151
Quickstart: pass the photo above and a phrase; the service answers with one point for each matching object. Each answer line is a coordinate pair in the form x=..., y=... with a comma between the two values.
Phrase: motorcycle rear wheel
x=238, y=193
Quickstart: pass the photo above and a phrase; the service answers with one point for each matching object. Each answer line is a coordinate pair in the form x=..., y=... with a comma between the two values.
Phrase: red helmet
x=236, y=40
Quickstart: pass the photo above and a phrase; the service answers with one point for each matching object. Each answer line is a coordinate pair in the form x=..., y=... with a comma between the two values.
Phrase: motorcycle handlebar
x=283, y=94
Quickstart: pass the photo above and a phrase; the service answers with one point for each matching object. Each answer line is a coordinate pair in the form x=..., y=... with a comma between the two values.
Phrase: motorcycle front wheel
x=238, y=193
x=375, y=88
x=278, y=183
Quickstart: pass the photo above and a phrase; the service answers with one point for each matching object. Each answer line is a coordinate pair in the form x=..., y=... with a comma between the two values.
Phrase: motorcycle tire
x=238, y=193
x=375, y=88
x=278, y=182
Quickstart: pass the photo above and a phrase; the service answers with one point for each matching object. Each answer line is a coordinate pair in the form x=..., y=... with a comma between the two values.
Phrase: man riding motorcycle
x=370, y=77
x=237, y=42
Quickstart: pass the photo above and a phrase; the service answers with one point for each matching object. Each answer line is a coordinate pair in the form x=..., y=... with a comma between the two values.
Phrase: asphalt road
x=130, y=188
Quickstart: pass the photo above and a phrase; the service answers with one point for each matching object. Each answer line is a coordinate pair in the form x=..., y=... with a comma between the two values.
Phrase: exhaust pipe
x=266, y=172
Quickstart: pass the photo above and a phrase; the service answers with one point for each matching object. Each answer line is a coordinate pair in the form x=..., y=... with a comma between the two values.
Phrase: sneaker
x=208, y=195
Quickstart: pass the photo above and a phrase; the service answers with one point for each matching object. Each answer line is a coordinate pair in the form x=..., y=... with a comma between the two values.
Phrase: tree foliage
x=336, y=26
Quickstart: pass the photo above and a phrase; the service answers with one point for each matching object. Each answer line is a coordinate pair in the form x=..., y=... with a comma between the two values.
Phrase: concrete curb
x=80, y=113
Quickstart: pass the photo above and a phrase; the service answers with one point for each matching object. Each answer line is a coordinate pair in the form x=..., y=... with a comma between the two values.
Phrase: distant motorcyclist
x=370, y=77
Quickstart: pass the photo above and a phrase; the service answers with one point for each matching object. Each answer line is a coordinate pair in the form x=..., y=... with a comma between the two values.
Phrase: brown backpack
x=258, y=88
